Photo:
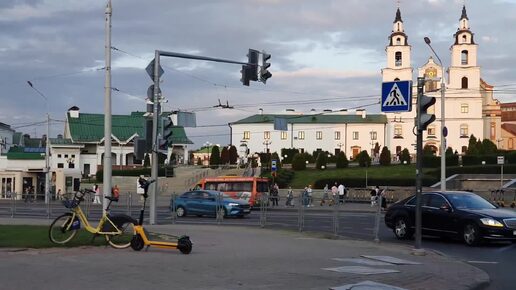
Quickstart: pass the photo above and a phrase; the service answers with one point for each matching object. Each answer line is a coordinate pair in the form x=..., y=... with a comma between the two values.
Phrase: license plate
x=248, y=210
x=514, y=232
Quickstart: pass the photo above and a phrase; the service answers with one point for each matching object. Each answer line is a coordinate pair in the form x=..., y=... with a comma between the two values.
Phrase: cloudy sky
x=326, y=54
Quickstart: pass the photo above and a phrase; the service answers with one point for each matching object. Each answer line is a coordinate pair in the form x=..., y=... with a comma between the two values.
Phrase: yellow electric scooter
x=141, y=237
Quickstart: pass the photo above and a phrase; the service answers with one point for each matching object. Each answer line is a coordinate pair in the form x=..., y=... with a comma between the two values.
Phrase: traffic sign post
x=501, y=160
x=396, y=96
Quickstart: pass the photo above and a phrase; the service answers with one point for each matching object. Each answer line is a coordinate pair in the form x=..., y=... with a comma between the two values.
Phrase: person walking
x=341, y=189
x=334, y=191
x=116, y=192
x=325, y=195
x=275, y=193
x=290, y=196
x=96, y=188
x=309, y=195
x=374, y=195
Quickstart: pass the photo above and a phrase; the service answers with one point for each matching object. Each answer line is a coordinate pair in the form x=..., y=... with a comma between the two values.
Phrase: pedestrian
x=309, y=194
x=27, y=194
x=275, y=193
x=374, y=195
x=115, y=192
x=290, y=196
x=96, y=188
x=383, y=200
x=341, y=189
x=334, y=191
x=59, y=194
x=325, y=195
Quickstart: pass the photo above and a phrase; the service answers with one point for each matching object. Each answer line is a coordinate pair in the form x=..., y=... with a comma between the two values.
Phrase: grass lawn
x=24, y=236
x=308, y=176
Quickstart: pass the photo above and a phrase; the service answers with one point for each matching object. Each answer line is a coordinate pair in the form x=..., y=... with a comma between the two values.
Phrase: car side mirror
x=445, y=208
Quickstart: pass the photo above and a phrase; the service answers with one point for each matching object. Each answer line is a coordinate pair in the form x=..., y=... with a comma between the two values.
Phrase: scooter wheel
x=137, y=243
x=184, y=245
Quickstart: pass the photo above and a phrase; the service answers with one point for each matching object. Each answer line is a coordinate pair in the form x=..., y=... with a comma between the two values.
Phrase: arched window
x=396, y=79
x=464, y=83
x=464, y=38
x=398, y=41
x=397, y=58
x=464, y=57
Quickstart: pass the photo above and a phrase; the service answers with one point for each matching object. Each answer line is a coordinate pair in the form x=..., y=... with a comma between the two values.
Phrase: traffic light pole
x=155, y=75
x=419, y=168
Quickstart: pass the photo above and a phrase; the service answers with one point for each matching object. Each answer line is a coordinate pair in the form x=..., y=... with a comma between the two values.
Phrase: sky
x=326, y=54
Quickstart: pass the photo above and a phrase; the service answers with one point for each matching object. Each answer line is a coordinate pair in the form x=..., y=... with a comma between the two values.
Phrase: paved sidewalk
x=226, y=257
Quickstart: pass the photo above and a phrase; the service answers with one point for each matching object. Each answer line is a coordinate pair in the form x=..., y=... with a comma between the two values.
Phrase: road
x=497, y=259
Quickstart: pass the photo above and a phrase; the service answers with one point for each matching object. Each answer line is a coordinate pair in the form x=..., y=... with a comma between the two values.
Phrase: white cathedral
x=470, y=108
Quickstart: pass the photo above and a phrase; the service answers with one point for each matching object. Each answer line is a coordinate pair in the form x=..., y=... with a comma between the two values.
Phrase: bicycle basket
x=70, y=203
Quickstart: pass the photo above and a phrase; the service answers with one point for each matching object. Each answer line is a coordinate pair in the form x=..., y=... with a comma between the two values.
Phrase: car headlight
x=491, y=222
x=232, y=204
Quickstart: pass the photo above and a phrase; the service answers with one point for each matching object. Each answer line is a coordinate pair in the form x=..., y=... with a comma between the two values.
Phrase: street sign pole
x=419, y=172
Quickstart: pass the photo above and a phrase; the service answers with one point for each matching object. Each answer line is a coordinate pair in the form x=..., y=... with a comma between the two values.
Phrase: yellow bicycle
x=118, y=229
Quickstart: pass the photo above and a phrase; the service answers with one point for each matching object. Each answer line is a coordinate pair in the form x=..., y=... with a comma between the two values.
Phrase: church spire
x=464, y=14
x=398, y=16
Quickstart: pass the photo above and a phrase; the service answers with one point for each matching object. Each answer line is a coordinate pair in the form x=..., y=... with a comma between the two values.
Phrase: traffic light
x=247, y=72
x=252, y=58
x=167, y=126
x=423, y=103
x=264, y=73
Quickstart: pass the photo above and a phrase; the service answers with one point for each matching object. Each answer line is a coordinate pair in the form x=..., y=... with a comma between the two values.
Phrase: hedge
x=135, y=172
x=430, y=161
x=480, y=169
x=360, y=182
x=283, y=177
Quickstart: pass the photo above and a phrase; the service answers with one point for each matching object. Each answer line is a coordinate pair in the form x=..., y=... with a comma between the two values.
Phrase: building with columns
x=471, y=108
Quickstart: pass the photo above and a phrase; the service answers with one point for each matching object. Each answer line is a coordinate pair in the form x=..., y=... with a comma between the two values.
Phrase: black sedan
x=456, y=214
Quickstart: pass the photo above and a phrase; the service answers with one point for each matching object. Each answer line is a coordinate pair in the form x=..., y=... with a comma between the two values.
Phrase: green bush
x=385, y=156
x=473, y=160
x=431, y=161
x=342, y=160
x=363, y=159
x=283, y=177
x=360, y=182
x=322, y=160
x=299, y=162
x=405, y=156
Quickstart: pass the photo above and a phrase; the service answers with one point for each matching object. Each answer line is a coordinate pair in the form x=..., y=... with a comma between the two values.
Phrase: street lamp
x=443, y=128
x=208, y=144
x=47, y=148
x=267, y=142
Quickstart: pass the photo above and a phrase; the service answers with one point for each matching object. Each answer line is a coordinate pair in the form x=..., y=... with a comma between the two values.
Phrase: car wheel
x=471, y=234
x=180, y=211
x=402, y=229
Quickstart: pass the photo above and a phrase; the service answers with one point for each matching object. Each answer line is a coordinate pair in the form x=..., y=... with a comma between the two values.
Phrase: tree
x=449, y=151
x=224, y=155
x=322, y=160
x=489, y=147
x=385, y=156
x=299, y=162
x=342, y=160
x=363, y=159
x=214, y=157
x=472, y=146
x=405, y=156
x=233, y=155
x=428, y=150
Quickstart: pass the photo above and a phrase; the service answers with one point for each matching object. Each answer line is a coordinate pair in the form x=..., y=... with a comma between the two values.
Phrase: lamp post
x=267, y=142
x=208, y=144
x=47, y=147
x=443, y=127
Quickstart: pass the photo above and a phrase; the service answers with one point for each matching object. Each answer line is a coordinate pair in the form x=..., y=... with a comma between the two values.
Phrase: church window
x=431, y=131
x=464, y=39
x=464, y=57
x=492, y=132
x=511, y=143
x=464, y=83
x=397, y=58
x=396, y=79
x=464, y=108
x=398, y=41
x=398, y=132
x=464, y=131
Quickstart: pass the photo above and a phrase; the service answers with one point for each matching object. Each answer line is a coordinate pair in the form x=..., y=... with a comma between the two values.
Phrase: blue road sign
x=273, y=165
x=397, y=96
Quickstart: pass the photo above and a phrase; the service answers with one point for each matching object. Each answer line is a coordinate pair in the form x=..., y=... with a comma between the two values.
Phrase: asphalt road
x=497, y=259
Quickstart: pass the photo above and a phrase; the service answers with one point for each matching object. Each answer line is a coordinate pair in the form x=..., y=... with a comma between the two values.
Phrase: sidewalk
x=226, y=257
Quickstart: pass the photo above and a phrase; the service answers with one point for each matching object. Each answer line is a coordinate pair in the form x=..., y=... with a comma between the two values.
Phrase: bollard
x=301, y=212
x=174, y=216
x=379, y=201
x=263, y=209
x=219, y=207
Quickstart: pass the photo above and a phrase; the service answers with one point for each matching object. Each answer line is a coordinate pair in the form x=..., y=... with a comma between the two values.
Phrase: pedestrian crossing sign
x=397, y=96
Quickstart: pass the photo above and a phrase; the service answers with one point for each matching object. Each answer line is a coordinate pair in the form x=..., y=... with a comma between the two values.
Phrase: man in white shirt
x=341, y=193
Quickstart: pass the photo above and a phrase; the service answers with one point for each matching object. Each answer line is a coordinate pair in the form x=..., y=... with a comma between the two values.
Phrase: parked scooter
x=142, y=238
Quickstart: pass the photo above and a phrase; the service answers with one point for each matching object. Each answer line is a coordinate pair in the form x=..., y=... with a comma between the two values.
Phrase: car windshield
x=469, y=201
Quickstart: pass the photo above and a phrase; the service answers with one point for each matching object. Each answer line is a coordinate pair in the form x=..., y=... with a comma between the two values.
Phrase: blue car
x=207, y=202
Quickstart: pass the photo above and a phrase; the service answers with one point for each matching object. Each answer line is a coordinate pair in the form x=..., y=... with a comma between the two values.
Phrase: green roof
x=32, y=142
x=25, y=153
x=61, y=141
x=315, y=119
x=90, y=128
